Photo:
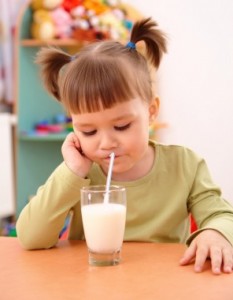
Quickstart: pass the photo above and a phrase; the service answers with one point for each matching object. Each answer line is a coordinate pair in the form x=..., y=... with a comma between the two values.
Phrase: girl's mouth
x=107, y=158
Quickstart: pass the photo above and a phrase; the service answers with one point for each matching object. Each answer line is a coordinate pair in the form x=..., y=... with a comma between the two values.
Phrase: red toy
x=68, y=5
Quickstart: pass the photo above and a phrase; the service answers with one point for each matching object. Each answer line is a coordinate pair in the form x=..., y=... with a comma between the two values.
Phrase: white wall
x=7, y=191
x=196, y=79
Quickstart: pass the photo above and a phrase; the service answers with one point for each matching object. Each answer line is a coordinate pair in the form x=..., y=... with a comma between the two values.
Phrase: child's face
x=122, y=129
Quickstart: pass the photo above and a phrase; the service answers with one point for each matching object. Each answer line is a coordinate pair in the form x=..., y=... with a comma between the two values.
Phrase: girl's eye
x=122, y=128
x=89, y=133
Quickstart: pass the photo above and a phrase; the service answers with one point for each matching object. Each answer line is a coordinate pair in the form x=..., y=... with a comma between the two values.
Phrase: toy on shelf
x=83, y=20
x=7, y=227
x=62, y=22
x=100, y=20
x=43, y=26
x=60, y=124
x=45, y=4
x=68, y=5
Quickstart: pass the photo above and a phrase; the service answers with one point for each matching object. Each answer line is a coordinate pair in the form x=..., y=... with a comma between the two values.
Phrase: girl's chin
x=117, y=169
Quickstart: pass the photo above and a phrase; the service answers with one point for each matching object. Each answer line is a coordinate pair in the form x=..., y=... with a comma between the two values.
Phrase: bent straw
x=106, y=195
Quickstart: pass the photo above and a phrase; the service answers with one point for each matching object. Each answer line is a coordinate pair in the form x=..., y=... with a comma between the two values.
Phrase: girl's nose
x=108, y=141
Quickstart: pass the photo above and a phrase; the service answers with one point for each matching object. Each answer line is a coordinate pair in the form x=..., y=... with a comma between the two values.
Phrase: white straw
x=106, y=196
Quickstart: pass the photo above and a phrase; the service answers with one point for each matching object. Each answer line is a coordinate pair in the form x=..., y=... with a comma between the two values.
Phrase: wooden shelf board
x=42, y=137
x=55, y=42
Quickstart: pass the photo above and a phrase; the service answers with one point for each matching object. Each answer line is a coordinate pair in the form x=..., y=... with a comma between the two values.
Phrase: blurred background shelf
x=57, y=137
x=53, y=42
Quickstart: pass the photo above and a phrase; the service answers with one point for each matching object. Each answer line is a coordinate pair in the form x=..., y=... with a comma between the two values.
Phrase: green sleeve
x=43, y=218
x=208, y=207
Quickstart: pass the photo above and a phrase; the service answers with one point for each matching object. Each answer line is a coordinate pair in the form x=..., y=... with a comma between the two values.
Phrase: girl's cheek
x=87, y=147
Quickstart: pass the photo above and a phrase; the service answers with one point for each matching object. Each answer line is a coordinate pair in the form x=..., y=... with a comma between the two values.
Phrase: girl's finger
x=189, y=255
x=201, y=256
x=227, y=260
x=216, y=259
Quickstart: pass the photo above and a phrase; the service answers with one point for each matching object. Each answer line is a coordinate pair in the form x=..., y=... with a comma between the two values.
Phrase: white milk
x=104, y=225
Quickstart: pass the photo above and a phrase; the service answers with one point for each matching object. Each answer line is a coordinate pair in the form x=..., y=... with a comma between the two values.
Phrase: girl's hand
x=75, y=160
x=210, y=244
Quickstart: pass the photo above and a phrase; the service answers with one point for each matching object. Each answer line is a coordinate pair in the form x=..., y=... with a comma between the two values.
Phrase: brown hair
x=103, y=73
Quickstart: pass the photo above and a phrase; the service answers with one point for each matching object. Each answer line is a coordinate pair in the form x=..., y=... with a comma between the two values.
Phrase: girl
x=107, y=90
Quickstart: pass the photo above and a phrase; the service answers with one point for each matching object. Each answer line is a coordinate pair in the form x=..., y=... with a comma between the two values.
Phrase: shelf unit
x=37, y=155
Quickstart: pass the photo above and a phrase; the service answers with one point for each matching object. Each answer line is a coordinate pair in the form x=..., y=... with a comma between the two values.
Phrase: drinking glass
x=103, y=216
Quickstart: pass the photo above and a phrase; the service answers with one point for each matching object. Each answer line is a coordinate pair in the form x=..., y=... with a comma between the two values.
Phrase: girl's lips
x=108, y=158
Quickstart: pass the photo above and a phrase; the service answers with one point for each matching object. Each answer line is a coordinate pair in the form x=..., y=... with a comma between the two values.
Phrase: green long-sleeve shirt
x=158, y=205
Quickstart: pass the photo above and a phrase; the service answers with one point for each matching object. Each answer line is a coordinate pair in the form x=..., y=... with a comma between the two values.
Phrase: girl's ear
x=154, y=109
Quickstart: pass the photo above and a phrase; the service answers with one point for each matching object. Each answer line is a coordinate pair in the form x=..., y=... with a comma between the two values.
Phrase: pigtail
x=51, y=60
x=155, y=40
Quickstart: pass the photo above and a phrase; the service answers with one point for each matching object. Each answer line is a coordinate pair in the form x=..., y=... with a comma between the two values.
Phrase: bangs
x=93, y=84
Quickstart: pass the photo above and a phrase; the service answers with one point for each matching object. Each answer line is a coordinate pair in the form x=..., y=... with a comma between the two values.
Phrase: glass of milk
x=103, y=217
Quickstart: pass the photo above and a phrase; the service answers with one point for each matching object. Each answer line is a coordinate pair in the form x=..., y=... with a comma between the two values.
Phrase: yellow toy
x=112, y=22
x=42, y=26
x=45, y=4
x=96, y=6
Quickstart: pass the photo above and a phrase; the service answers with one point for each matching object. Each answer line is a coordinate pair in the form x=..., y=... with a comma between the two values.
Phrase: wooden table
x=147, y=271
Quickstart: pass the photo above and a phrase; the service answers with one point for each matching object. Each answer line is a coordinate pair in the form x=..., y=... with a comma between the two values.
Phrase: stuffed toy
x=95, y=6
x=63, y=22
x=80, y=19
x=112, y=22
x=68, y=5
x=45, y=4
x=85, y=24
x=42, y=26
